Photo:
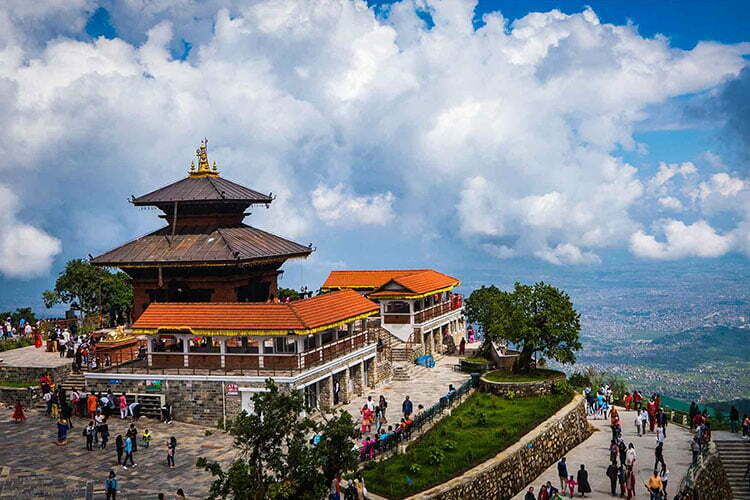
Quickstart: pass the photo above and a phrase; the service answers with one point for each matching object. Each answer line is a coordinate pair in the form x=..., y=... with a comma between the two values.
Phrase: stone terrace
x=28, y=454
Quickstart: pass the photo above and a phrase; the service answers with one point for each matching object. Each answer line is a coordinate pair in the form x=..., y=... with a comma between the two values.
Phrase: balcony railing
x=247, y=364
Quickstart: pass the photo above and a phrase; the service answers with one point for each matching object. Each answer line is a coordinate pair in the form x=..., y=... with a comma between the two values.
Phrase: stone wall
x=32, y=374
x=519, y=389
x=709, y=480
x=512, y=469
x=27, y=396
x=194, y=401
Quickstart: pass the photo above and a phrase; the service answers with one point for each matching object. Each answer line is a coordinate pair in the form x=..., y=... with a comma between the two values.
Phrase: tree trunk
x=524, y=361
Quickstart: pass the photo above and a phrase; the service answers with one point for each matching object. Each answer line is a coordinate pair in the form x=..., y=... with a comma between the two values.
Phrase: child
x=571, y=486
x=18, y=415
x=89, y=433
x=146, y=438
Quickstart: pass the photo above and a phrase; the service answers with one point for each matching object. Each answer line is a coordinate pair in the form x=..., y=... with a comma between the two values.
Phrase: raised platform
x=31, y=357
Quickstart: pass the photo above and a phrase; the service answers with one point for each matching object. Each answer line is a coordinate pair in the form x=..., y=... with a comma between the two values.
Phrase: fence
x=378, y=447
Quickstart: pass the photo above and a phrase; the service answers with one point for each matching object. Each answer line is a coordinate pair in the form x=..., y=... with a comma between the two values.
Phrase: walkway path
x=426, y=387
x=594, y=453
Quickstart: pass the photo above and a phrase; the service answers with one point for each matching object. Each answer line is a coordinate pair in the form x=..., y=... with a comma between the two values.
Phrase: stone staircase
x=735, y=456
x=73, y=381
x=25, y=484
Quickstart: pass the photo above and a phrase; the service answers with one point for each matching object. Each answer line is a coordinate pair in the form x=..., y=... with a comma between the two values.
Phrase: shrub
x=482, y=420
x=579, y=379
x=561, y=387
x=435, y=456
x=414, y=468
x=450, y=445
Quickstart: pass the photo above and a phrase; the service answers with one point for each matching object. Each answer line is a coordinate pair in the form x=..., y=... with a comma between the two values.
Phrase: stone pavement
x=29, y=449
x=31, y=357
x=594, y=453
x=426, y=387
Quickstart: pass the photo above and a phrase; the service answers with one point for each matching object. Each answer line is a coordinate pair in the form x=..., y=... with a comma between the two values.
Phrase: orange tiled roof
x=413, y=282
x=247, y=318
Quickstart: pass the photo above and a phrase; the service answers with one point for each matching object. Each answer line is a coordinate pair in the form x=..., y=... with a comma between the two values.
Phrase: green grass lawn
x=535, y=375
x=10, y=383
x=478, y=429
x=15, y=343
x=476, y=359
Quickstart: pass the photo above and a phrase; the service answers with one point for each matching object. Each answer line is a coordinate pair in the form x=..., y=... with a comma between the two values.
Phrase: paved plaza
x=426, y=387
x=594, y=454
x=31, y=357
x=28, y=451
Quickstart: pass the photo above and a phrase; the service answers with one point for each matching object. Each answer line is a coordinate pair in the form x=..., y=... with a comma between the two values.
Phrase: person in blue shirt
x=562, y=472
x=128, y=453
x=407, y=407
x=110, y=486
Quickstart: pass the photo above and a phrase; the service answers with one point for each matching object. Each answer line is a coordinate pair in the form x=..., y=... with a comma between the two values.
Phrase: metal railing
x=376, y=447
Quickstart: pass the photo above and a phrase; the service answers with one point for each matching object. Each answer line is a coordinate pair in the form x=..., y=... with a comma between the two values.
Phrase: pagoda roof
x=401, y=283
x=301, y=317
x=202, y=245
x=204, y=189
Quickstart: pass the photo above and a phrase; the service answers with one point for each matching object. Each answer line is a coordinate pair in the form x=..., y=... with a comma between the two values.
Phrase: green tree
x=21, y=312
x=536, y=318
x=336, y=437
x=293, y=294
x=90, y=289
x=275, y=458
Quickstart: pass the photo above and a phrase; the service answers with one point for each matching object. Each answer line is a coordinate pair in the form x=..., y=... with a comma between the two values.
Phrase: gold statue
x=117, y=335
x=204, y=168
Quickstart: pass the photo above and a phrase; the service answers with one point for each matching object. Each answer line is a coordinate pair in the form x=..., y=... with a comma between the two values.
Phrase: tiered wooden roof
x=205, y=215
x=206, y=245
x=401, y=283
x=301, y=317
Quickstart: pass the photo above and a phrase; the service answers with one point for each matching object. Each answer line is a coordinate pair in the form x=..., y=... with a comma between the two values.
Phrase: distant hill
x=743, y=406
x=715, y=344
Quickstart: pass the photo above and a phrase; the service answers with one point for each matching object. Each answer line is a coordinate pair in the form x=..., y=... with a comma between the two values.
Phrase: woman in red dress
x=37, y=340
x=18, y=415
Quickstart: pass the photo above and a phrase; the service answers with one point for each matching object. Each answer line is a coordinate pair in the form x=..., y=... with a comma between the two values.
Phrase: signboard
x=232, y=389
x=153, y=385
x=113, y=381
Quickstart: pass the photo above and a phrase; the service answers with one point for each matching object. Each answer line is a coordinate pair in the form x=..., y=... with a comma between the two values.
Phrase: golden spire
x=204, y=169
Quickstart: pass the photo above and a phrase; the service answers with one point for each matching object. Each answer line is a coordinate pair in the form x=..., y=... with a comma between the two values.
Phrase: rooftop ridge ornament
x=204, y=169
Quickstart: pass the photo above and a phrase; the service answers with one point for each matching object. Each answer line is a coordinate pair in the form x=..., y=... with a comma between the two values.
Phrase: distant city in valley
x=681, y=332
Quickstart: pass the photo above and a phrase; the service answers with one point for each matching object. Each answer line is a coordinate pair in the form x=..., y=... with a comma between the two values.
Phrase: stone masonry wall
x=193, y=401
x=519, y=389
x=32, y=374
x=9, y=395
x=710, y=479
x=512, y=469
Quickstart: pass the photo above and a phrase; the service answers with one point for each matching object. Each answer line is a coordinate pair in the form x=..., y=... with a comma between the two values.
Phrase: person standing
x=612, y=474
x=644, y=421
x=171, y=448
x=104, y=433
x=630, y=456
x=623, y=451
x=654, y=485
x=651, y=411
x=120, y=447
x=146, y=438
x=630, y=483
x=695, y=448
x=128, y=453
x=462, y=347
x=110, y=486
x=18, y=415
x=370, y=404
x=89, y=433
x=562, y=473
x=122, y=403
x=407, y=407
x=583, y=481
x=734, y=419
x=132, y=433
x=659, y=456
x=383, y=404
x=529, y=494
x=664, y=476
x=622, y=478
x=637, y=423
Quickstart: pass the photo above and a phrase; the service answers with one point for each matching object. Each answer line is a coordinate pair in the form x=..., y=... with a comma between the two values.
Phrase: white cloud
x=507, y=136
x=25, y=251
x=671, y=203
x=721, y=184
x=335, y=206
x=681, y=240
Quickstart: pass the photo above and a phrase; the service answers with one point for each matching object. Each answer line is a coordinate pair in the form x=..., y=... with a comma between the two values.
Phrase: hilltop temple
x=206, y=311
x=205, y=253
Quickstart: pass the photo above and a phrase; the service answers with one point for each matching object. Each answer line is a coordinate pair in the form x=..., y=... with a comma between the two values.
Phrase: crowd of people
x=8, y=330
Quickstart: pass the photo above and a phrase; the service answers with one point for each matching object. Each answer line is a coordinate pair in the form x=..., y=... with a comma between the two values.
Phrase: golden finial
x=204, y=168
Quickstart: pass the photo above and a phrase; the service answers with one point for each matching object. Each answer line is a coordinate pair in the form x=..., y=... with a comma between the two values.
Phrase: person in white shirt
x=660, y=434
x=370, y=404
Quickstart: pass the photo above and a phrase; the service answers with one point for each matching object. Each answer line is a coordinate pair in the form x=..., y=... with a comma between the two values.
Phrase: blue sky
x=607, y=134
